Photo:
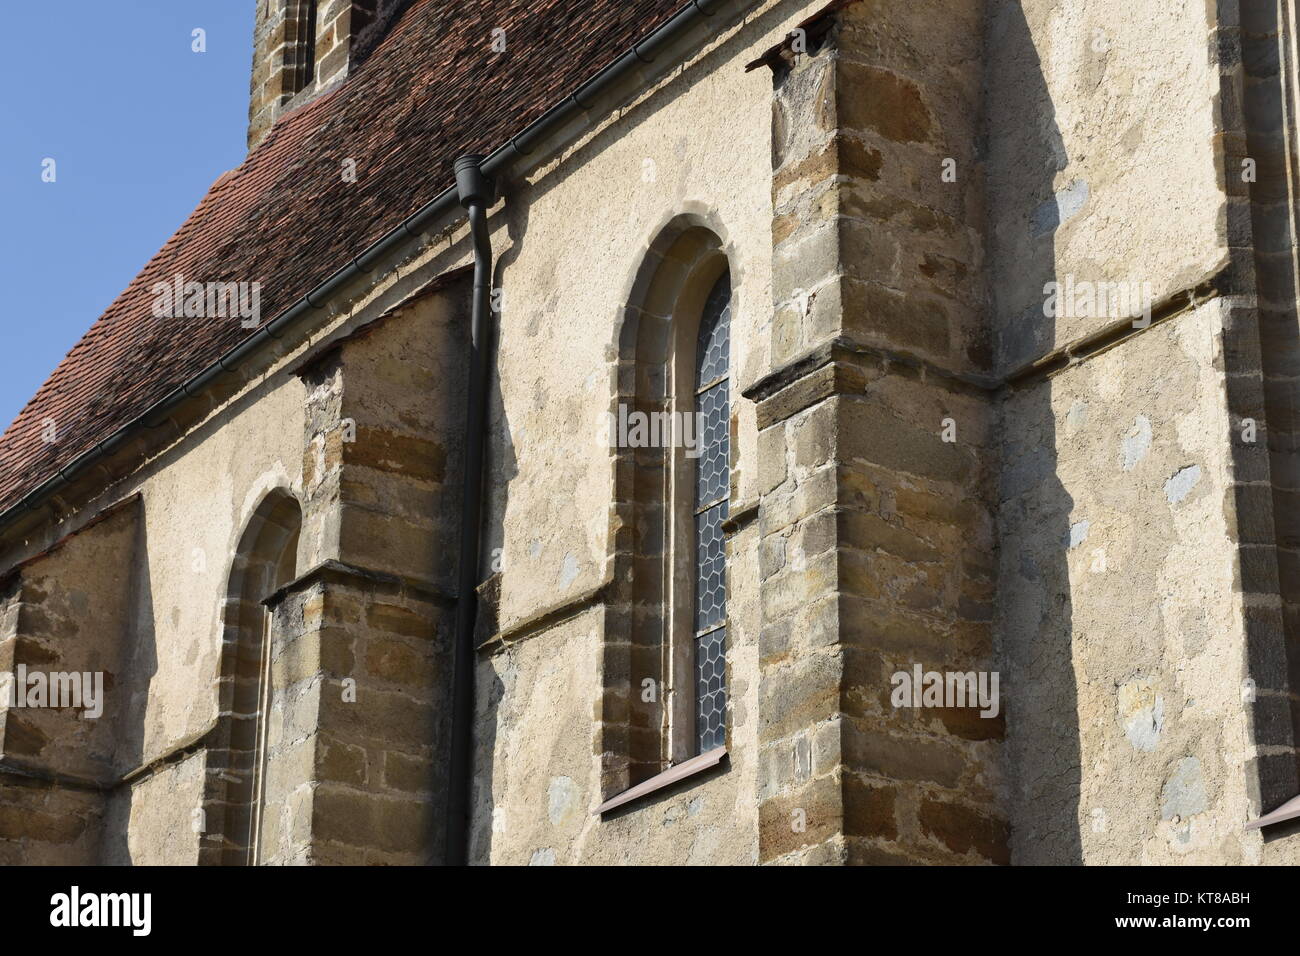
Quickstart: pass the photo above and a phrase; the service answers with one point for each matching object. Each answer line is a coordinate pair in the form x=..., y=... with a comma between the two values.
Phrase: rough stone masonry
x=933, y=468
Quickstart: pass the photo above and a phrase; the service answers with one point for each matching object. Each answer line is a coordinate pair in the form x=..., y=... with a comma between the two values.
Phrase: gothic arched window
x=265, y=560
x=664, y=660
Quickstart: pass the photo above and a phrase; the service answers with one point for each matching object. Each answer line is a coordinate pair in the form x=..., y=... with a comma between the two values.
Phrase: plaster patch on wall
x=1060, y=209
x=1078, y=533
x=1184, y=792
x=1194, y=627
x=1181, y=484
x=568, y=570
x=545, y=857
x=1142, y=714
x=1136, y=443
x=1077, y=417
x=562, y=799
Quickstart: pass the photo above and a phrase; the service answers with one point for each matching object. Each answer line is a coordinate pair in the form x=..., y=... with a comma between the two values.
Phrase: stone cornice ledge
x=331, y=570
x=547, y=618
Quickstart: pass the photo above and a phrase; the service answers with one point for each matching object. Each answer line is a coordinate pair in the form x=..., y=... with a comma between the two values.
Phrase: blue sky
x=138, y=124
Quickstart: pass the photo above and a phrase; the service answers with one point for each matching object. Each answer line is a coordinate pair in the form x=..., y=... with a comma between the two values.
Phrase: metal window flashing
x=687, y=768
x=1288, y=811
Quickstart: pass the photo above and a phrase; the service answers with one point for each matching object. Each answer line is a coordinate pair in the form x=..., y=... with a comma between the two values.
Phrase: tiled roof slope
x=432, y=90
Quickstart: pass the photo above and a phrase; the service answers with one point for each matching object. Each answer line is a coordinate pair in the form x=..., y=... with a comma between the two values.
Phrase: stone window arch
x=266, y=559
x=664, y=661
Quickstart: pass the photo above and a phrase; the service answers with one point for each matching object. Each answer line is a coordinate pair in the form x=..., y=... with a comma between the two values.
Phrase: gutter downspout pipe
x=475, y=191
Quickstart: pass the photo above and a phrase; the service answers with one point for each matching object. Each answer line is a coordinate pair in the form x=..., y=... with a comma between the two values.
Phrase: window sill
x=1288, y=811
x=687, y=768
x=742, y=513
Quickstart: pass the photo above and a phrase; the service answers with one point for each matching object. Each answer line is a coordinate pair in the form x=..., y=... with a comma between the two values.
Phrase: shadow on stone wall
x=139, y=664
x=1269, y=132
x=1026, y=152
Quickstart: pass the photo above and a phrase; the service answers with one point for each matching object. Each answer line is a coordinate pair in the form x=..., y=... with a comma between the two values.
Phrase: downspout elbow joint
x=473, y=187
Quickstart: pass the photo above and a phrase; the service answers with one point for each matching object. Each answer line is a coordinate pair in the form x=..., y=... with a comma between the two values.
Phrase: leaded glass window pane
x=714, y=352
x=712, y=472
x=711, y=689
x=711, y=577
x=712, y=487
